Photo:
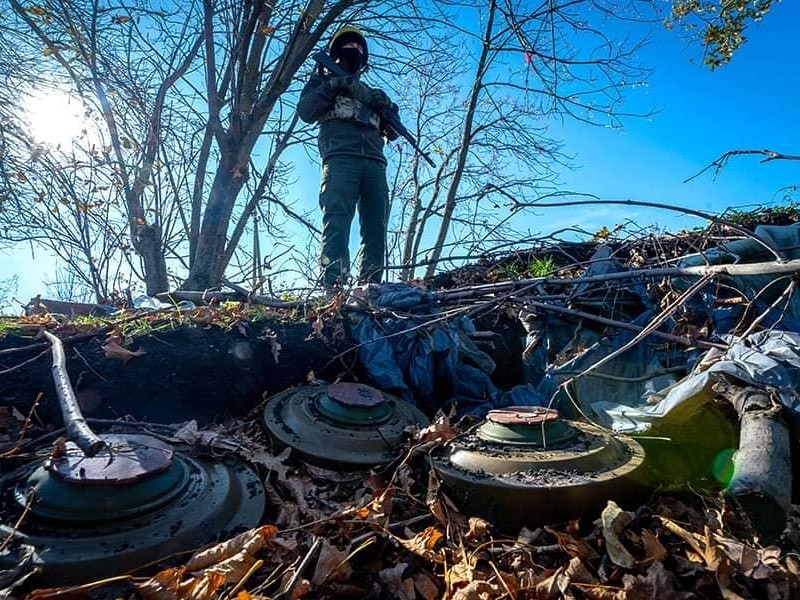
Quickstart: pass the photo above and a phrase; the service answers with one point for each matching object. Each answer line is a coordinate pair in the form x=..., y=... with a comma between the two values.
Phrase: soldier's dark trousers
x=348, y=183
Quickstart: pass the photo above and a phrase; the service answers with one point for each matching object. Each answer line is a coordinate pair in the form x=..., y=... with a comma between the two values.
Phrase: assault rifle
x=389, y=117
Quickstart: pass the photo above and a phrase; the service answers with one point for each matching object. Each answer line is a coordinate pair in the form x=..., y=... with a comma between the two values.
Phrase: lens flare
x=722, y=466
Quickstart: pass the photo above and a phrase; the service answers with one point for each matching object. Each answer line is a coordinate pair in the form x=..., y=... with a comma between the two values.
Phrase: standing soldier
x=352, y=133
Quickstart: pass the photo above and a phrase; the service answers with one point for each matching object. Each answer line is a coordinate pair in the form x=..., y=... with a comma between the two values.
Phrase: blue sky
x=750, y=103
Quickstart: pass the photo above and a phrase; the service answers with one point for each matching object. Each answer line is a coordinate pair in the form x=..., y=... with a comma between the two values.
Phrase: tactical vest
x=351, y=109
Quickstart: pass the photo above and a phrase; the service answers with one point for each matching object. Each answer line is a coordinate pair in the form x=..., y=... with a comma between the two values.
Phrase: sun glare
x=55, y=119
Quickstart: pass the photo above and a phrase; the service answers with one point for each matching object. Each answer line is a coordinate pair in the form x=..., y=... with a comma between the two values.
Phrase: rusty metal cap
x=128, y=458
x=355, y=394
x=523, y=415
x=353, y=404
x=528, y=425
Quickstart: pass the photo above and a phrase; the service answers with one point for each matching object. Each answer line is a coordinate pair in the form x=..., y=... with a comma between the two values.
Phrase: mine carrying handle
x=389, y=118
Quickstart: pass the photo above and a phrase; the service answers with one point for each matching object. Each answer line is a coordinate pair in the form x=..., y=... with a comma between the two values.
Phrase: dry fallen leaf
x=614, y=521
x=209, y=569
x=332, y=565
x=426, y=586
x=441, y=506
x=439, y=430
x=288, y=516
x=168, y=585
x=332, y=476
x=557, y=585
x=274, y=345
x=695, y=541
x=478, y=528
x=573, y=546
x=398, y=587
x=189, y=433
x=113, y=349
x=423, y=544
x=59, y=449
x=259, y=455
x=461, y=573
x=317, y=326
x=311, y=379
x=707, y=547
x=657, y=582
x=477, y=590
x=653, y=549
x=250, y=541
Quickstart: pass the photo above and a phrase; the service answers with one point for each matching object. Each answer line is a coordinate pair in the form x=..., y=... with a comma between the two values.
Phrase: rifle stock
x=324, y=59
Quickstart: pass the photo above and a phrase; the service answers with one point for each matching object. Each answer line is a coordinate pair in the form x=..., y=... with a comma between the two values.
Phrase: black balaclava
x=350, y=59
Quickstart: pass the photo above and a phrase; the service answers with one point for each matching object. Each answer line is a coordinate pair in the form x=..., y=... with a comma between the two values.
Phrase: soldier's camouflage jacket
x=347, y=126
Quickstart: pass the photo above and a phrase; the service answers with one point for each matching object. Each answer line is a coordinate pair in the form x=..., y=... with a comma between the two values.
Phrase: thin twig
x=651, y=327
x=28, y=503
x=256, y=566
x=312, y=551
x=88, y=366
x=763, y=268
x=684, y=341
x=722, y=160
x=777, y=253
x=27, y=362
x=786, y=294
x=502, y=579
x=24, y=429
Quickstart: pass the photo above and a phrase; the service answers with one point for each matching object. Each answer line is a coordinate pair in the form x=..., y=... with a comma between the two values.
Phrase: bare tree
x=248, y=68
x=119, y=72
x=183, y=99
x=194, y=108
x=489, y=86
x=63, y=201
x=67, y=286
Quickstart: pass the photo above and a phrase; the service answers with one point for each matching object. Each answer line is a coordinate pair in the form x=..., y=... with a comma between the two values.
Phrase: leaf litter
x=392, y=532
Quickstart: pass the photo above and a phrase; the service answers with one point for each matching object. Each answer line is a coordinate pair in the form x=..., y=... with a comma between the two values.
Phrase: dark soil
x=191, y=372
x=207, y=372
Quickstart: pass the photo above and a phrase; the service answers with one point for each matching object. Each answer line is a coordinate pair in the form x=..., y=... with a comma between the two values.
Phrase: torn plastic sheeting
x=549, y=335
x=625, y=382
x=625, y=392
x=767, y=287
x=152, y=303
x=767, y=360
x=426, y=361
x=603, y=262
x=637, y=389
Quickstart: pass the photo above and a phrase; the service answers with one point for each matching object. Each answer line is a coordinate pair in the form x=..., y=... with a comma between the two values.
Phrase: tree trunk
x=762, y=476
x=208, y=262
x=147, y=242
x=466, y=141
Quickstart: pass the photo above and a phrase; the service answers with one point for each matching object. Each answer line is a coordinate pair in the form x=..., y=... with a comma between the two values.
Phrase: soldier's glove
x=390, y=133
x=376, y=99
x=340, y=84
x=389, y=111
